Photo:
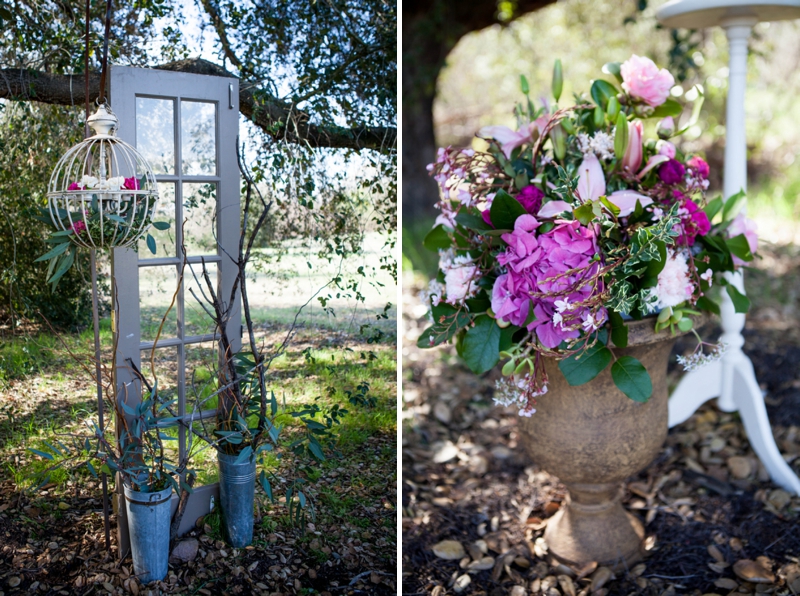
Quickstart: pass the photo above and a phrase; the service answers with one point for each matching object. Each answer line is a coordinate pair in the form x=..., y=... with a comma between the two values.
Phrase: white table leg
x=732, y=378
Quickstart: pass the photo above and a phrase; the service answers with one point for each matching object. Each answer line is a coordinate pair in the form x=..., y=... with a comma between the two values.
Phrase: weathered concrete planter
x=592, y=437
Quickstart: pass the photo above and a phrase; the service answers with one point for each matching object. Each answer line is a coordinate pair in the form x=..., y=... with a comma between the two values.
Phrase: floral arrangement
x=112, y=221
x=558, y=231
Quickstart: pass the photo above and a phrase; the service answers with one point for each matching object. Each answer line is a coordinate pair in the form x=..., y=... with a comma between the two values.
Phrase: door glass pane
x=197, y=322
x=199, y=206
x=157, y=286
x=165, y=212
x=155, y=133
x=198, y=138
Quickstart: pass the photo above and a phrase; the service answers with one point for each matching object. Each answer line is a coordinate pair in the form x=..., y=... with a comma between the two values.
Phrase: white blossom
x=699, y=358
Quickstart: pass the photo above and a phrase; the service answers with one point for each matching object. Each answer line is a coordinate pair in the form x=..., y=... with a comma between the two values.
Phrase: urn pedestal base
x=592, y=525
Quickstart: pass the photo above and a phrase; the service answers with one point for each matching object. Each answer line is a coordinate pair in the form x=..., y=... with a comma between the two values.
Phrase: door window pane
x=198, y=138
x=155, y=133
x=165, y=212
x=157, y=286
x=199, y=205
x=196, y=293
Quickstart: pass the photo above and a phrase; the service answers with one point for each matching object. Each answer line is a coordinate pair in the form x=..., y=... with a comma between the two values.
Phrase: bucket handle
x=150, y=501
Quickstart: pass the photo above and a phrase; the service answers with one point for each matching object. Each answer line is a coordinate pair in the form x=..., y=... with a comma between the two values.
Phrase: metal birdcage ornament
x=102, y=193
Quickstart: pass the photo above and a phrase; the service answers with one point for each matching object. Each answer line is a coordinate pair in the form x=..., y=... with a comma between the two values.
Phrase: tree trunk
x=430, y=31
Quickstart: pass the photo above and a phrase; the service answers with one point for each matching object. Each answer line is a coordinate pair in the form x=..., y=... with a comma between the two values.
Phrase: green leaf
x=613, y=68
x=733, y=205
x=505, y=210
x=668, y=108
x=506, y=336
x=619, y=332
x=631, y=377
x=66, y=263
x=655, y=266
x=740, y=247
x=316, y=450
x=741, y=303
x=581, y=370
x=472, y=222
x=713, y=208
x=685, y=324
x=244, y=455
x=481, y=346
x=151, y=244
x=59, y=249
x=611, y=206
x=437, y=238
x=43, y=454
x=161, y=225
x=704, y=303
x=523, y=84
x=584, y=213
x=601, y=91
x=621, y=136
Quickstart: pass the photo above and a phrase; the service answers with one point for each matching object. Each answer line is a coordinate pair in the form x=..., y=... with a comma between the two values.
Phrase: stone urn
x=593, y=437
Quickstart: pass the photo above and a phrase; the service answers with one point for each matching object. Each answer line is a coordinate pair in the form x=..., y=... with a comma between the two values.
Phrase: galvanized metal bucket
x=148, y=526
x=237, y=487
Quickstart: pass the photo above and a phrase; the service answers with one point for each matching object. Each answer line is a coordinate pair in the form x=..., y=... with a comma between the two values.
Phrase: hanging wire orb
x=102, y=193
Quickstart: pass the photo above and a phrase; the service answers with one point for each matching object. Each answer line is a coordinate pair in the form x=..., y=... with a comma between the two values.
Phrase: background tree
x=318, y=85
x=430, y=31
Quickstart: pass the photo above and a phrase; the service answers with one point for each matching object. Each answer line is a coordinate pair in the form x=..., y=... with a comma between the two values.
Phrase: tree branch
x=280, y=120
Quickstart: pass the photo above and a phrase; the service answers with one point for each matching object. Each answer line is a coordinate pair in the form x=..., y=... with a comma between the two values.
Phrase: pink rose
x=131, y=184
x=698, y=166
x=641, y=78
x=530, y=198
x=665, y=148
x=746, y=226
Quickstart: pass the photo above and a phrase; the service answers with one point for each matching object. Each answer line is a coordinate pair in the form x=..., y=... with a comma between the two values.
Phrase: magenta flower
x=671, y=171
x=78, y=227
x=131, y=184
x=530, y=198
x=74, y=186
x=642, y=79
x=699, y=167
x=694, y=221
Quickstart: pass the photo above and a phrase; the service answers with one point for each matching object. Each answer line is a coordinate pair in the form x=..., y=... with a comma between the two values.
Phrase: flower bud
x=568, y=126
x=666, y=128
x=559, y=142
x=558, y=80
x=599, y=117
x=612, y=109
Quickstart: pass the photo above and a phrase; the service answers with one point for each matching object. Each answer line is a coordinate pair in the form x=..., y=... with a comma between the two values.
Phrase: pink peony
x=746, y=226
x=698, y=166
x=674, y=285
x=641, y=78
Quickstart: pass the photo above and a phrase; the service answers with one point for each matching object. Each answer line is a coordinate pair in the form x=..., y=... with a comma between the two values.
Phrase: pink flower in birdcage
x=78, y=226
x=75, y=186
x=131, y=184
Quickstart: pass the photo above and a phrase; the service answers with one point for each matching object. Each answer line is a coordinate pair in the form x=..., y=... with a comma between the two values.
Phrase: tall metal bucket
x=148, y=525
x=237, y=487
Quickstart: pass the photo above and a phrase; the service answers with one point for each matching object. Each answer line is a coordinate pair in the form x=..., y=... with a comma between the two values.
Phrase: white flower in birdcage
x=102, y=194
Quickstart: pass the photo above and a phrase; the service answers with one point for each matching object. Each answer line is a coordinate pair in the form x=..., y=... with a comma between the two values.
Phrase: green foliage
x=481, y=346
x=632, y=378
x=583, y=367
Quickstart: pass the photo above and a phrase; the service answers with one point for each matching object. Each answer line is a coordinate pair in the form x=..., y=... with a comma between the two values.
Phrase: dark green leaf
x=59, y=249
x=668, y=108
x=733, y=205
x=481, y=346
x=582, y=368
x=316, y=450
x=619, y=332
x=437, y=238
x=704, y=303
x=601, y=92
x=506, y=337
x=631, y=377
x=741, y=303
x=505, y=210
x=713, y=208
x=161, y=225
x=151, y=244
x=472, y=222
x=740, y=247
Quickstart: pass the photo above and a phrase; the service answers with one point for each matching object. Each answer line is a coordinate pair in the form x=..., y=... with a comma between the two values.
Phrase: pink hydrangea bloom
x=642, y=79
x=533, y=266
x=746, y=226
